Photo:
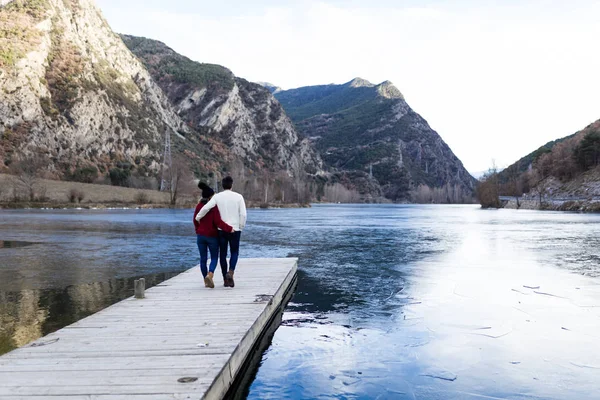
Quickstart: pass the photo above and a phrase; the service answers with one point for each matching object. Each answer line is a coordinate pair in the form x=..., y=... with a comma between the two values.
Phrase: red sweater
x=209, y=225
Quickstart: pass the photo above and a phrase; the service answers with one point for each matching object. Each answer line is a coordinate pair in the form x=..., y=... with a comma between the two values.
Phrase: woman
x=207, y=231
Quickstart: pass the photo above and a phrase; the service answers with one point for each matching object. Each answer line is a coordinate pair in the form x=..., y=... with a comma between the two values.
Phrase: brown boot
x=229, y=279
x=208, y=281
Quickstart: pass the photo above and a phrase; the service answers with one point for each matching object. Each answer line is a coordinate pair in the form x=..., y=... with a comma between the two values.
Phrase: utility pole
x=165, y=182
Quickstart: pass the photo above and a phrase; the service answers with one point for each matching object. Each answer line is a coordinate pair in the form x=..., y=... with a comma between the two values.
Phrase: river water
x=393, y=301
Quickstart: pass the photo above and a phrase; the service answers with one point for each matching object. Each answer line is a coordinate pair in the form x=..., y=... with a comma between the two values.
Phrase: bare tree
x=237, y=171
x=514, y=186
x=26, y=173
x=541, y=184
x=338, y=193
x=422, y=195
x=3, y=188
x=298, y=185
x=265, y=186
x=266, y=181
x=285, y=187
x=180, y=179
x=488, y=189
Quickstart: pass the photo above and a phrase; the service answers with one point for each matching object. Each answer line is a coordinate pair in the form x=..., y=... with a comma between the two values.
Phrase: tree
x=27, y=171
x=488, y=189
x=563, y=162
x=86, y=174
x=180, y=179
x=338, y=193
x=513, y=185
x=587, y=154
x=422, y=195
x=300, y=188
x=539, y=182
x=237, y=171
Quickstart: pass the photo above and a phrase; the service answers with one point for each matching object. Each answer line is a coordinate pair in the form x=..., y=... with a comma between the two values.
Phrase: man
x=233, y=212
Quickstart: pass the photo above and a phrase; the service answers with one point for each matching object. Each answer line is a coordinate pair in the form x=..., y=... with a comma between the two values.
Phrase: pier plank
x=139, y=348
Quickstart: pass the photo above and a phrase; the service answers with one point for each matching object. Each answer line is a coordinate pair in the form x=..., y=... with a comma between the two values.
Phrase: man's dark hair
x=227, y=183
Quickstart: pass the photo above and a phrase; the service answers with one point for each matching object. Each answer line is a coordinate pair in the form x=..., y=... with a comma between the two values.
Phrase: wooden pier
x=182, y=341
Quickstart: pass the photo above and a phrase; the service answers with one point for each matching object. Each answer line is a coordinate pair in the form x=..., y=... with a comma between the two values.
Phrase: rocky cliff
x=244, y=116
x=71, y=90
x=73, y=95
x=377, y=143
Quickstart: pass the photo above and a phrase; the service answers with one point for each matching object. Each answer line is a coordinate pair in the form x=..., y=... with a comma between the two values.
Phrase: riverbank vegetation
x=566, y=169
x=35, y=192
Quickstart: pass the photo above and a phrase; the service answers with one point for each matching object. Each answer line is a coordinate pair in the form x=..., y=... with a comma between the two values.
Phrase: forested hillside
x=561, y=174
x=375, y=143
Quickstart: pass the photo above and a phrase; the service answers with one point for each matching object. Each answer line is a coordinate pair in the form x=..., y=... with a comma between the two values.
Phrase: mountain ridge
x=78, y=100
x=72, y=91
x=371, y=132
x=87, y=99
x=242, y=114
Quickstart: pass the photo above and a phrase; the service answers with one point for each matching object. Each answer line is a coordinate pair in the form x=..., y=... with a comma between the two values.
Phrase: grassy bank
x=60, y=194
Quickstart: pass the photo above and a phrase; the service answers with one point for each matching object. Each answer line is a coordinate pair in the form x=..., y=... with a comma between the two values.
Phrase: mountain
x=244, y=116
x=75, y=97
x=272, y=88
x=72, y=92
x=376, y=143
x=525, y=163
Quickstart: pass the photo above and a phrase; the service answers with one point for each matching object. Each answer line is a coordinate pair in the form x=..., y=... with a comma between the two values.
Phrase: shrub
x=487, y=193
x=41, y=191
x=85, y=174
x=48, y=107
x=72, y=195
x=75, y=195
x=141, y=198
x=119, y=177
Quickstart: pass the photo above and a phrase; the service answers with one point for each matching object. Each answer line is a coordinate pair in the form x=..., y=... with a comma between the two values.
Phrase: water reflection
x=11, y=244
x=30, y=314
x=75, y=247
x=437, y=304
x=393, y=302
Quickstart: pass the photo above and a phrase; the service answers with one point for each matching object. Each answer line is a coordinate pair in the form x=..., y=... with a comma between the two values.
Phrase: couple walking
x=219, y=220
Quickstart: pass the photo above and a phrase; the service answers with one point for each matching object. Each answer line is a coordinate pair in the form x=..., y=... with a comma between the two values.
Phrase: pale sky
x=496, y=79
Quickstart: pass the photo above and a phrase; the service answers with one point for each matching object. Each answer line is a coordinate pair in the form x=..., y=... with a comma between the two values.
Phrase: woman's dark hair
x=227, y=183
x=207, y=192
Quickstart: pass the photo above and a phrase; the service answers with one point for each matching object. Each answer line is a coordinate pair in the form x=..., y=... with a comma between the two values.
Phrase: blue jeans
x=233, y=240
x=208, y=243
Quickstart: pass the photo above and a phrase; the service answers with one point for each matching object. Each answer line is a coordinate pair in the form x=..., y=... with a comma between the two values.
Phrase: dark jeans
x=208, y=243
x=233, y=240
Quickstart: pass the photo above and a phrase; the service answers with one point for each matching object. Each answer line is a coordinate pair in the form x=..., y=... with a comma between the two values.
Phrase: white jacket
x=231, y=207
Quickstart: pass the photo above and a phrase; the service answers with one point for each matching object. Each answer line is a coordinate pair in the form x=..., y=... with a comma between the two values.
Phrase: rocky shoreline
x=553, y=204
